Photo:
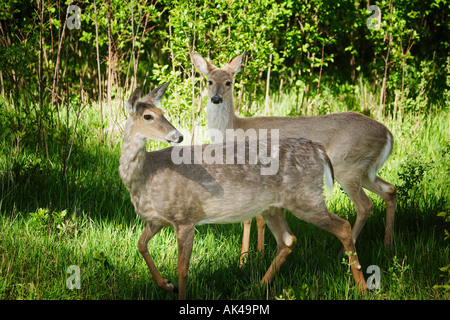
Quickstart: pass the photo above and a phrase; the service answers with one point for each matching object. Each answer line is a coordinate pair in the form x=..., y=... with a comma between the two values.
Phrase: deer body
x=206, y=193
x=352, y=139
x=184, y=195
x=356, y=144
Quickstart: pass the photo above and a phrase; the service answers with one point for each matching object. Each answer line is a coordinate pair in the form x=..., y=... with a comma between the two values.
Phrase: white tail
x=329, y=175
x=183, y=195
x=357, y=145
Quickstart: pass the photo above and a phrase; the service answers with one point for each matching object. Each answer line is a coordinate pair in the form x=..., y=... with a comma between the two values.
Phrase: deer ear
x=156, y=94
x=235, y=65
x=133, y=100
x=203, y=66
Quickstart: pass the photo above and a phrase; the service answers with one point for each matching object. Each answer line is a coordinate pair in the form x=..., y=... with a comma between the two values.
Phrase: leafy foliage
x=63, y=92
x=446, y=269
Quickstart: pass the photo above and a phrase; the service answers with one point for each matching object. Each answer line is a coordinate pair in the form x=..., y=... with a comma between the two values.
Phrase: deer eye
x=209, y=83
x=228, y=83
x=148, y=117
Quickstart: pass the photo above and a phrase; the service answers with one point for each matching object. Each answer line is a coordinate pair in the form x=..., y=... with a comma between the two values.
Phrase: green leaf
x=446, y=287
x=445, y=269
x=447, y=234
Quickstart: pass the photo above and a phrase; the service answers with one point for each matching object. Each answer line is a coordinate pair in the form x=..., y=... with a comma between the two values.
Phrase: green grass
x=100, y=230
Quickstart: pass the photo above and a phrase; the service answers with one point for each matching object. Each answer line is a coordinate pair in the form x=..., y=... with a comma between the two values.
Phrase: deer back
x=201, y=193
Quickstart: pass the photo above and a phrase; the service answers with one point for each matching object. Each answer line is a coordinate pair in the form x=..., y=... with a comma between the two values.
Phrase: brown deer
x=167, y=192
x=357, y=145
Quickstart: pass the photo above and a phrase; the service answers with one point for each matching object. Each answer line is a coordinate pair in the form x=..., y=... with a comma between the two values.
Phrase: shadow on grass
x=91, y=184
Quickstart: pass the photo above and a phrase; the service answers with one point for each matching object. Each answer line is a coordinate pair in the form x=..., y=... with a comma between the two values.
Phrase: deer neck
x=220, y=116
x=133, y=157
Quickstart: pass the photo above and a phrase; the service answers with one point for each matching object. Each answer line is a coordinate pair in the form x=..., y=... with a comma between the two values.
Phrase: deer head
x=148, y=121
x=220, y=80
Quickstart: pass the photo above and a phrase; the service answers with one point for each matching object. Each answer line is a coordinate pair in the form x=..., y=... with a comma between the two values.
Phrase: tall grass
x=100, y=230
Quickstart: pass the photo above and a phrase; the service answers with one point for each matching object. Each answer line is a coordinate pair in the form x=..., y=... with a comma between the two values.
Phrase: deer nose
x=216, y=99
x=175, y=136
x=178, y=137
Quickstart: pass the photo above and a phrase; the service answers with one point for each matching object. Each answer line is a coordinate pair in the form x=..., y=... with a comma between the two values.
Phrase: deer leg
x=245, y=242
x=362, y=203
x=150, y=230
x=185, y=241
x=363, y=208
x=285, y=242
x=342, y=230
x=261, y=224
x=388, y=192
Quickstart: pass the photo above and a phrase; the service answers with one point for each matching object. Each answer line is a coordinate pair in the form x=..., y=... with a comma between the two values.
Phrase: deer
x=182, y=195
x=357, y=145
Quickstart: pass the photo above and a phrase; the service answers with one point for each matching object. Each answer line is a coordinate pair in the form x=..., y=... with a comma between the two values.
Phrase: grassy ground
x=92, y=225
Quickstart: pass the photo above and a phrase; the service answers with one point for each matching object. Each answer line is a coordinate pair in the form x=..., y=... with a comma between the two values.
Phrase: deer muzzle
x=216, y=99
x=174, y=136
